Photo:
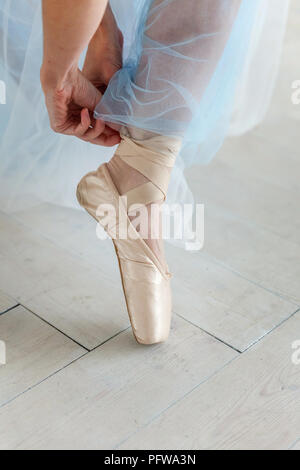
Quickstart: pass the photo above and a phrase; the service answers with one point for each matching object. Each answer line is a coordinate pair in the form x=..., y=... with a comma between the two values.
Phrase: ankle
x=124, y=176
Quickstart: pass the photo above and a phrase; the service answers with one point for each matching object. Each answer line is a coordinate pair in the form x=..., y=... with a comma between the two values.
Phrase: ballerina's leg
x=181, y=48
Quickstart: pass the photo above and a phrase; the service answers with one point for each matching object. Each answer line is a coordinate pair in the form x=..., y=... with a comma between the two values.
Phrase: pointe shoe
x=146, y=283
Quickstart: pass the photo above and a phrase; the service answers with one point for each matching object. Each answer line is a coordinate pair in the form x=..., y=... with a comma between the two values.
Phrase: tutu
x=195, y=70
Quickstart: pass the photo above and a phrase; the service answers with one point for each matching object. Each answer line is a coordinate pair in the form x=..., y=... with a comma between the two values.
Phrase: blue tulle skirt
x=188, y=72
x=182, y=71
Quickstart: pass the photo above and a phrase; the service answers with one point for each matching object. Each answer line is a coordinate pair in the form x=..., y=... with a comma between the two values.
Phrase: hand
x=71, y=105
x=105, y=51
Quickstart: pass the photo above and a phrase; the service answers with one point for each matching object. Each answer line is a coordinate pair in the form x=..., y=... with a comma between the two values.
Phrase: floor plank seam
x=209, y=334
x=62, y=368
x=252, y=344
x=175, y=402
x=255, y=283
x=72, y=339
x=9, y=309
x=69, y=337
x=285, y=320
x=44, y=380
x=158, y=415
x=54, y=327
x=109, y=339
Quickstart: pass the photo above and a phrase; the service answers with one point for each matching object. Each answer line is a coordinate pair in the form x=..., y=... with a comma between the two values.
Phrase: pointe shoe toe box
x=148, y=297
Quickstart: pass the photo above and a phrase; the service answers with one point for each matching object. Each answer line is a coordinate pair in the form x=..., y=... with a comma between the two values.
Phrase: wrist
x=54, y=76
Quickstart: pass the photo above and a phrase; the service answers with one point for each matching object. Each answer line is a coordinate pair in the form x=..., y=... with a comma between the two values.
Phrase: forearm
x=69, y=26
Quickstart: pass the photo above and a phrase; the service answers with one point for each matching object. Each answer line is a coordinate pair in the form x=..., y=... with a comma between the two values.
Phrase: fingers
x=85, y=122
x=70, y=119
x=107, y=141
x=98, y=134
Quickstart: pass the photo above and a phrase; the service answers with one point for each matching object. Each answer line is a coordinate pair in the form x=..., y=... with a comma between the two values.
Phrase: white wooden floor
x=76, y=379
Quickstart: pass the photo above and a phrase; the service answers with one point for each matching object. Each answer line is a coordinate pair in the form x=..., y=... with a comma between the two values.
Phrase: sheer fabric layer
x=188, y=65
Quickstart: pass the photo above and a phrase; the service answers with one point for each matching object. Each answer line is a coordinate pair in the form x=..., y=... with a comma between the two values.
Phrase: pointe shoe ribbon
x=154, y=158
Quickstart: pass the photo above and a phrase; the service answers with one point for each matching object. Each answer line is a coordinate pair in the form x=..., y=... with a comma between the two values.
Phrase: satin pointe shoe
x=146, y=281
